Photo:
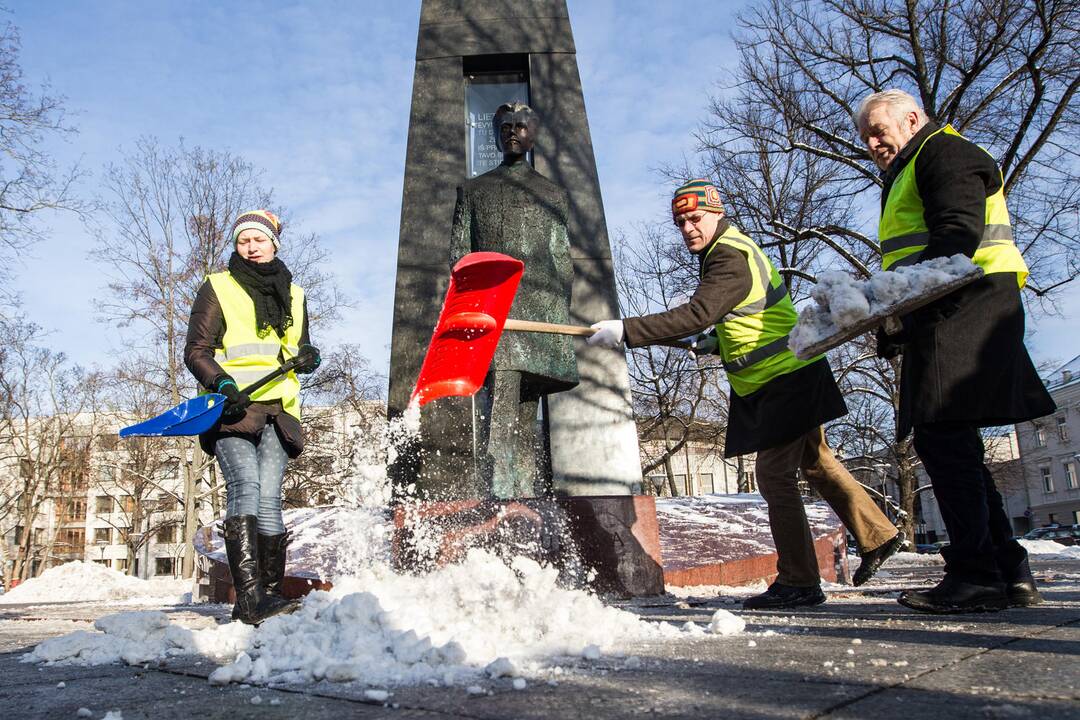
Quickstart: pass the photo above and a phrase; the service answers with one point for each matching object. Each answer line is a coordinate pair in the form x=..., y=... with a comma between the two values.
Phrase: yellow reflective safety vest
x=753, y=337
x=248, y=357
x=903, y=233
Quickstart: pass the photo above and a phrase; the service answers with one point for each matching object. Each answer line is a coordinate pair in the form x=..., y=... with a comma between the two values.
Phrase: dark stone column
x=593, y=441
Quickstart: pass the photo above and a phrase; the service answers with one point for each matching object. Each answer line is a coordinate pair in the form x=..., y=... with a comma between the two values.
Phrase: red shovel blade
x=482, y=287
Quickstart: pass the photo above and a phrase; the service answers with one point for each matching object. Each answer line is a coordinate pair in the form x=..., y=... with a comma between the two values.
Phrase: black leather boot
x=779, y=596
x=956, y=596
x=874, y=559
x=272, y=554
x=1020, y=586
x=252, y=604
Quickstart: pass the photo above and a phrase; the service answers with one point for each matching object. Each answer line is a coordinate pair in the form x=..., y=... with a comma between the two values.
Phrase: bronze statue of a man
x=516, y=211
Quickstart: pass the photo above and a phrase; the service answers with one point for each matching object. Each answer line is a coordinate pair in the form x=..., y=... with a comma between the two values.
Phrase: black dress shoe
x=956, y=596
x=874, y=559
x=1020, y=586
x=1023, y=594
x=785, y=596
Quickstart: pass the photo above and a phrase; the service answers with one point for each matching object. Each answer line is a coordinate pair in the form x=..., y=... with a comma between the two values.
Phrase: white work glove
x=704, y=344
x=609, y=334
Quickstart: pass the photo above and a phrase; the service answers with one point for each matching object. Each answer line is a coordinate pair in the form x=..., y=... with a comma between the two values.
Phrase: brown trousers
x=796, y=563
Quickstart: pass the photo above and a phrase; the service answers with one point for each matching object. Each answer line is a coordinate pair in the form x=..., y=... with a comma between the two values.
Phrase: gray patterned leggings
x=253, y=473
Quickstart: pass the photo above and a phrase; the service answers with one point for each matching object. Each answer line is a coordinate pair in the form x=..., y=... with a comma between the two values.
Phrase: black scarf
x=269, y=286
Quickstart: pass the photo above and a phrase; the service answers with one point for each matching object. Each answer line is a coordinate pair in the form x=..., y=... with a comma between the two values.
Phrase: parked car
x=1067, y=535
x=931, y=548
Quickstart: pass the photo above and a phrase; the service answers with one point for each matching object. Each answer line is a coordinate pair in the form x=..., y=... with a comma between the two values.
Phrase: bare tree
x=343, y=418
x=29, y=181
x=169, y=213
x=48, y=409
x=675, y=400
x=780, y=140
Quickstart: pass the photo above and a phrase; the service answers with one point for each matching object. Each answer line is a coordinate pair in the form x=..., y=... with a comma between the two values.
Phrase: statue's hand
x=609, y=334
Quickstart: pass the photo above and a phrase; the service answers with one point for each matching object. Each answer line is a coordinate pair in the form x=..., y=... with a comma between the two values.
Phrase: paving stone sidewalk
x=860, y=655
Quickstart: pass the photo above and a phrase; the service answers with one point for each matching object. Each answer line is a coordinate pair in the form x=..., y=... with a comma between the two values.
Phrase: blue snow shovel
x=199, y=414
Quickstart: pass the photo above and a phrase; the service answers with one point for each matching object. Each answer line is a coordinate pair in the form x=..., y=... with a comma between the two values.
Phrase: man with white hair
x=965, y=366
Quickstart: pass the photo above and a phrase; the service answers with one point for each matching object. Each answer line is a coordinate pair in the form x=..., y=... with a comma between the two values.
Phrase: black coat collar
x=904, y=157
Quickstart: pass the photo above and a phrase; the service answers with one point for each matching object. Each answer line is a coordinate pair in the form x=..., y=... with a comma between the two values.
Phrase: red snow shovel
x=473, y=317
x=482, y=288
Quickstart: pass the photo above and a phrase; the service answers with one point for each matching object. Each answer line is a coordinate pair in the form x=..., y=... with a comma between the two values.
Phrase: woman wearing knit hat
x=244, y=324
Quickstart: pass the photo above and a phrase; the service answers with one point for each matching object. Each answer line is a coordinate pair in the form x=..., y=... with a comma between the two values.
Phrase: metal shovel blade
x=482, y=288
x=190, y=417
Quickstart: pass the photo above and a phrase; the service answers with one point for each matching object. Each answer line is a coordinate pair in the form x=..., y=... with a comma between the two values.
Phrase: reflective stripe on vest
x=248, y=357
x=753, y=337
x=903, y=234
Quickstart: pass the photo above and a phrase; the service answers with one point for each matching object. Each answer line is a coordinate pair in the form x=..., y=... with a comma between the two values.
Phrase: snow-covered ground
x=481, y=618
x=89, y=582
x=841, y=301
x=458, y=625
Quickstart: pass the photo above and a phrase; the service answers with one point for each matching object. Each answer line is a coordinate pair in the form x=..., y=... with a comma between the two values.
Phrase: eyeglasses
x=692, y=218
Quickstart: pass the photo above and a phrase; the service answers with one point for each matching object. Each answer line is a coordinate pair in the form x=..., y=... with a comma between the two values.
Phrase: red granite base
x=831, y=551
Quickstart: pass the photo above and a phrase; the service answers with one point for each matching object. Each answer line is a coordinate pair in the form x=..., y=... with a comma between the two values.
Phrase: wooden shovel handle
x=555, y=328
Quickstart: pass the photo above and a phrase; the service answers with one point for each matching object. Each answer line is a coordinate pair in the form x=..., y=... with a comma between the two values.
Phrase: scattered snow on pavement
x=384, y=629
x=481, y=618
x=841, y=301
x=90, y=582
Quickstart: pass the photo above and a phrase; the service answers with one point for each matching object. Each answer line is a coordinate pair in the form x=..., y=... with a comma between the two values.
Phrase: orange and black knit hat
x=696, y=195
x=264, y=221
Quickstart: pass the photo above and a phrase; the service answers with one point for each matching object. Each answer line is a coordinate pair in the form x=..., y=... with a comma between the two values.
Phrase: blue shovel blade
x=190, y=417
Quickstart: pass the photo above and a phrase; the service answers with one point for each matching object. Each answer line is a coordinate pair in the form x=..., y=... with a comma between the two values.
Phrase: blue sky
x=317, y=95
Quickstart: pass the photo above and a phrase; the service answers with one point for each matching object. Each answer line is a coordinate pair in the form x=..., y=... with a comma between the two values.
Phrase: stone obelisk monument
x=472, y=56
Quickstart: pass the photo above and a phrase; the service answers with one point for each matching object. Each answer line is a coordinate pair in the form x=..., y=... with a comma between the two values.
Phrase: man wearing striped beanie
x=778, y=402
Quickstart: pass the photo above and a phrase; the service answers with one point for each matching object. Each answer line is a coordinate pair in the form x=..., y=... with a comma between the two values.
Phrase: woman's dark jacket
x=964, y=359
x=788, y=406
x=206, y=328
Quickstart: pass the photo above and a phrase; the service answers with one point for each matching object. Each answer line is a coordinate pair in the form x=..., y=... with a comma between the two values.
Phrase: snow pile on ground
x=1049, y=547
x=910, y=559
x=448, y=627
x=90, y=582
x=841, y=301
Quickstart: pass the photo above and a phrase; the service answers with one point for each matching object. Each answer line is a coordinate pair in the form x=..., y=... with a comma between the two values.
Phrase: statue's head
x=515, y=127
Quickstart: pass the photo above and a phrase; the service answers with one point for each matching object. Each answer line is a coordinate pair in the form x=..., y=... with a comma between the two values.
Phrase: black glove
x=309, y=354
x=236, y=402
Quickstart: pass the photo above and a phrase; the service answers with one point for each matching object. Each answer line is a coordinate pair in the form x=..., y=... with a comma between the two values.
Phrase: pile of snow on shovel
x=841, y=301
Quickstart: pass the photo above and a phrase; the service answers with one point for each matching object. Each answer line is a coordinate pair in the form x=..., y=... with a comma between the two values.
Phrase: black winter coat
x=964, y=359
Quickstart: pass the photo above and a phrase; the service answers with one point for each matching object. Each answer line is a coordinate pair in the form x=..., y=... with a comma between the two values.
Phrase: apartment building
x=1050, y=452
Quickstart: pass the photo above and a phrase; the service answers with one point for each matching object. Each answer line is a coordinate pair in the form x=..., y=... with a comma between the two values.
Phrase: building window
x=74, y=511
x=1063, y=429
x=72, y=537
x=1076, y=517
x=1047, y=479
x=103, y=505
x=120, y=565
x=166, y=534
x=166, y=503
x=102, y=562
x=1040, y=436
x=1070, y=476
x=707, y=483
x=164, y=566
x=680, y=481
x=103, y=535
